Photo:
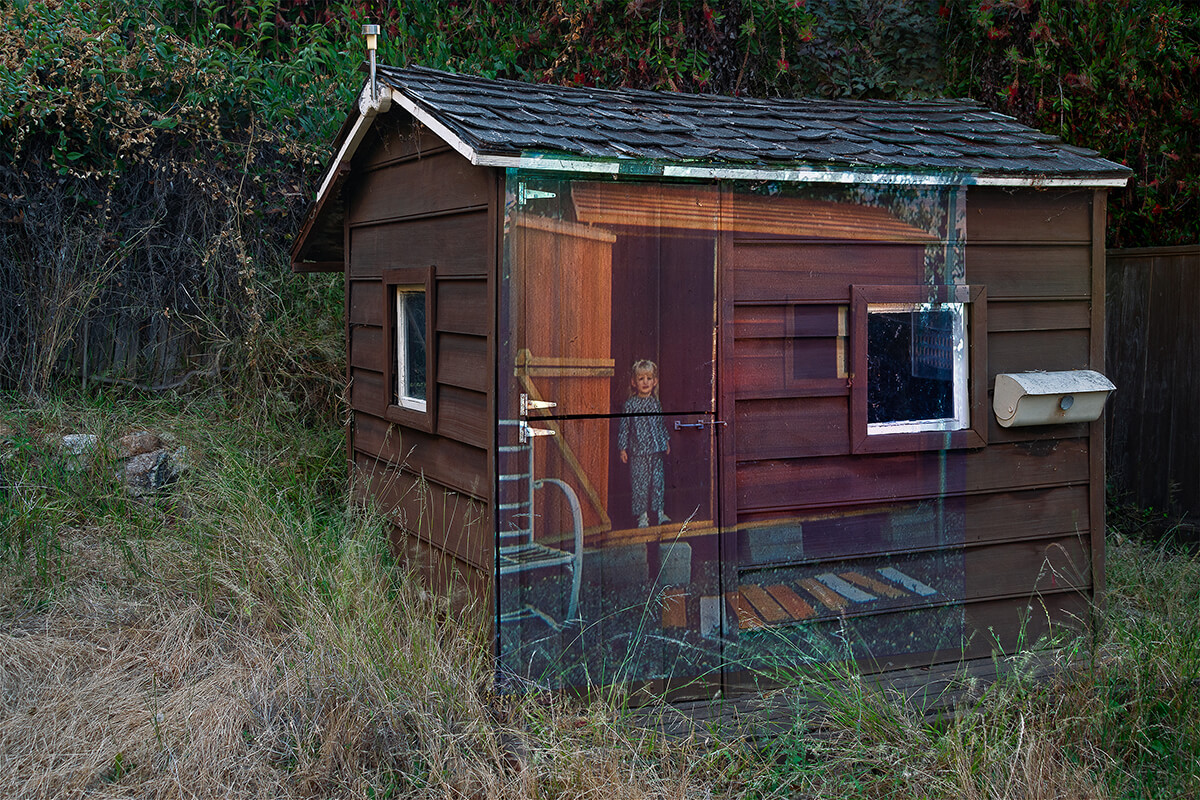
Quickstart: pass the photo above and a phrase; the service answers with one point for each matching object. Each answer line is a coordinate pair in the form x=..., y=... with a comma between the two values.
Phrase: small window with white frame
x=920, y=368
x=916, y=368
x=410, y=361
x=412, y=348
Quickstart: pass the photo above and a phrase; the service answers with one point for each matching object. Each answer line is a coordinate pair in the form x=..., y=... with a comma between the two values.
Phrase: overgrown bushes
x=156, y=159
x=148, y=191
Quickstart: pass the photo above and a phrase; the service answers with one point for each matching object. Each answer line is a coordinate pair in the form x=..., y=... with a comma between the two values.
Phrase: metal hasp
x=700, y=423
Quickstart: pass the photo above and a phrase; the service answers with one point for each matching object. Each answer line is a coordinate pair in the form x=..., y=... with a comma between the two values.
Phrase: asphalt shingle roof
x=509, y=118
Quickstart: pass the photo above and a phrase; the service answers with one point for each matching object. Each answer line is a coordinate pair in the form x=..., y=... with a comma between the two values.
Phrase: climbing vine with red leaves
x=1117, y=76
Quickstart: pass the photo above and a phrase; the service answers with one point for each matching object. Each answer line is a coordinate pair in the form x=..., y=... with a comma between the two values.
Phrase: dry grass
x=248, y=637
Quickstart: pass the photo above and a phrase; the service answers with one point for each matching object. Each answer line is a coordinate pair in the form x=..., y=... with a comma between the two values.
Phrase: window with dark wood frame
x=919, y=368
x=410, y=363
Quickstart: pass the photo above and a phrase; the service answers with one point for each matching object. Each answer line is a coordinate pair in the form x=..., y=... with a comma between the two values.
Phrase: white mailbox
x=1049, y=398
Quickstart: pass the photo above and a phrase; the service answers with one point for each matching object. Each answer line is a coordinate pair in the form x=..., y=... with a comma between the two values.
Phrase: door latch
x=700, y=423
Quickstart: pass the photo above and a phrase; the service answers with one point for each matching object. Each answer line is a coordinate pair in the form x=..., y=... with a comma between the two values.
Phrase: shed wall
x=1029, y=501
x=414, y=203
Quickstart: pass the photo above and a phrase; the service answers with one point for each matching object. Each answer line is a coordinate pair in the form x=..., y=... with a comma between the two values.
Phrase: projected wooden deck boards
x=828, y=594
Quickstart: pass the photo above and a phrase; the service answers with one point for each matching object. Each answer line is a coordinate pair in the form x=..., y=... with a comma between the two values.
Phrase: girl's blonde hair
x=642, y=365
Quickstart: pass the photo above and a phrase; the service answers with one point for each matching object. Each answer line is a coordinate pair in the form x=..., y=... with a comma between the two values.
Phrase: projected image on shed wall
x=677, y=430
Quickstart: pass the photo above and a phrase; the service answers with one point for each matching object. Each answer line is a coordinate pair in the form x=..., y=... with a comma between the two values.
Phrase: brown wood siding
x=1027, y=499
x=785, y=427
x=459, y=466
x=395, y=138
x=1024, y=271
x=806, y=483
x=1001, y=625
x=457, y=243
x=452, y=521
x=1046, y=315
x=1026, y=351
x=447, y=181
x=415, y=203
x=987, y=519
x=1008, y=216
x=817, y=270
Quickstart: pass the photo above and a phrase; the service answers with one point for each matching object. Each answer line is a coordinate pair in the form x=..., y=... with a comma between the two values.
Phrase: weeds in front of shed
x=247, y=633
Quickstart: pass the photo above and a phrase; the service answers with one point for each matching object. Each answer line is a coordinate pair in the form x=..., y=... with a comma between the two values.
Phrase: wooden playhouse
x=687, y=391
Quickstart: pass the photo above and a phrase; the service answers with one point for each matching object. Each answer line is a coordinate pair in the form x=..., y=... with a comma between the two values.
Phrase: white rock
x=79, y=449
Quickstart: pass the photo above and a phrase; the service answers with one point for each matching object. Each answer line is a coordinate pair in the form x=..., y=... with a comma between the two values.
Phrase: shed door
x=609, y=557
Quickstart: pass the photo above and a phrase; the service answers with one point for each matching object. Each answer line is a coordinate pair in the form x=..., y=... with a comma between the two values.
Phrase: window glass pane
x=414, y=353
x=913, y=355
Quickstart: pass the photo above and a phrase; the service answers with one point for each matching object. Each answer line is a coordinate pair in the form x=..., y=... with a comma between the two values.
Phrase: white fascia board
x=559, y=164
x=357, y=134
x=902, y=178
x=551, y=163
x=1049, y=183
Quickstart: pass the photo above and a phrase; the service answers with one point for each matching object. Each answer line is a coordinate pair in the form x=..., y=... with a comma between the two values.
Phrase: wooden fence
x=1153, y=357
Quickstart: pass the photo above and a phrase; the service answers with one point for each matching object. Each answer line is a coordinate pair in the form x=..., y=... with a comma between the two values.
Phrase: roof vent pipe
x=373, y=103
x=372, y=34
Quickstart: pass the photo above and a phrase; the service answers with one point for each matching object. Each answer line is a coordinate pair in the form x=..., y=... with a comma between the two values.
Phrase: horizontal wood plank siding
x=447, y=181
x=846, y=480
x=1005, y=215
x=459, y=466
x=448, y=520
x=792, y=427
x=463, y=416
x=1022, y=502
x=1027, y=351
x=368, y=391
x=1020, y=569
x=462, y=307
x=393, y=138
x=824, y=271
x=443, y=517
x=366, y=303
x=456, y=243
x=463, y=361
x=985, y=519
x=1045, y=315
x=366, y=347
x=1024, y=271
x=992, y=628
x=414, y=202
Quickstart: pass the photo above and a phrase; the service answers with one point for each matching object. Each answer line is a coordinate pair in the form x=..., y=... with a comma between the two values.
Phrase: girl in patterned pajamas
x=643, y=442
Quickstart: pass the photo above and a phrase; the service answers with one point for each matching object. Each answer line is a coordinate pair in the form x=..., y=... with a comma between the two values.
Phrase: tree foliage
x=147, y=194
x=156, y=156
x=1118, y=76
